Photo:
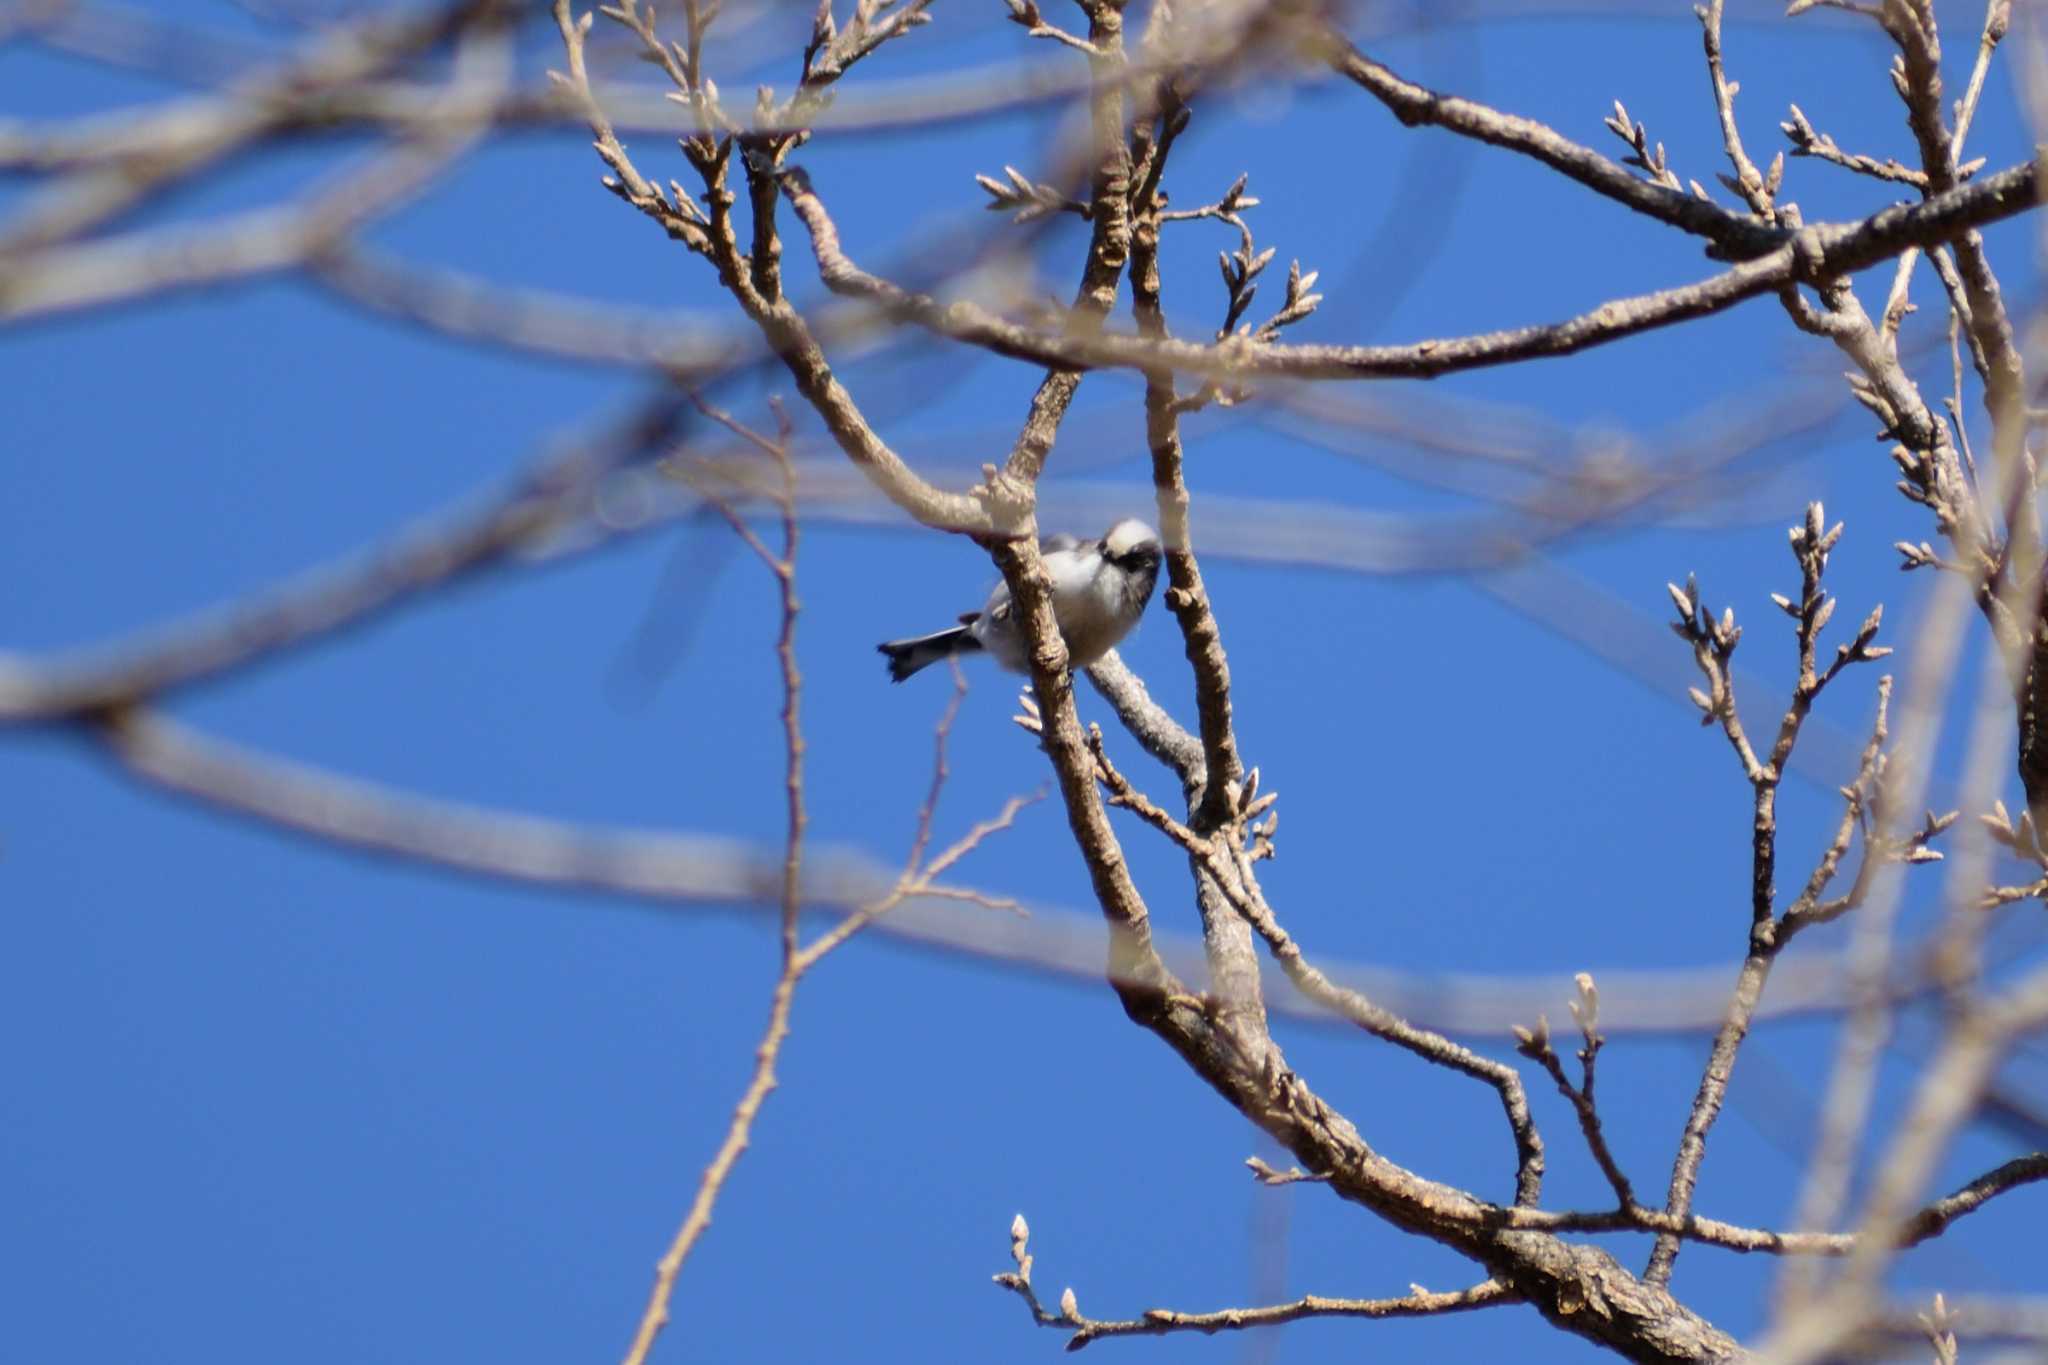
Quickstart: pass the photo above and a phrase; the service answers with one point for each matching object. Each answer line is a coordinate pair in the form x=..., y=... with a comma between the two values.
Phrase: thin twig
x=1713, y=643
x=1757, y=188
x=1535, y=1043
x=781, y=325
x=796, y=958
x=766, y=1053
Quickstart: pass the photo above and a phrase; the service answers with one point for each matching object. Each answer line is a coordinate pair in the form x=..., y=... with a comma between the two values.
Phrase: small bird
x=1099, y=590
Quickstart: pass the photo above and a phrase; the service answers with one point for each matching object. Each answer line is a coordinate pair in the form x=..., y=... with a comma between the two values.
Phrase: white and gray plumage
x=1099, y=590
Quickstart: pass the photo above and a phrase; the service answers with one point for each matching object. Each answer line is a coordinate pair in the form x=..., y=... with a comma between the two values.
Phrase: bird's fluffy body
x=1099, y=590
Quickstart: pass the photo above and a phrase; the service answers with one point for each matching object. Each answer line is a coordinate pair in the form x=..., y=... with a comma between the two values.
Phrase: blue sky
x=269, y=1099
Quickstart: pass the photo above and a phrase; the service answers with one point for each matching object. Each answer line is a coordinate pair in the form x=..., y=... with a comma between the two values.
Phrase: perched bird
x=1099, y=590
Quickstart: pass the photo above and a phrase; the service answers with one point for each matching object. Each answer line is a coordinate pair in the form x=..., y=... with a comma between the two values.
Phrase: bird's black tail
x=908, y=656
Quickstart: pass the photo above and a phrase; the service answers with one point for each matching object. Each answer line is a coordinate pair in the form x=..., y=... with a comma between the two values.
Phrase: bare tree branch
x=1164, y=1321
x=1819, y=252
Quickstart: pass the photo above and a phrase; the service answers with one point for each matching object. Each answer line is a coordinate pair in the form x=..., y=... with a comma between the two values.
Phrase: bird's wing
x=1049, y=545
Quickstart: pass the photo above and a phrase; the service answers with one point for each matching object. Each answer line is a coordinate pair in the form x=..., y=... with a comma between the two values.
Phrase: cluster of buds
x=2019, y=836
x=1029, y=200
x=1713, y=642
x=1019, y=1281
x=1645, y=156
x=1250, y=806
x=1811, y=613
x=1534, y=1043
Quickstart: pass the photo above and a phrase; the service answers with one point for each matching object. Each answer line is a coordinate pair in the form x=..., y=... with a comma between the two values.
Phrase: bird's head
x=1131, y=545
